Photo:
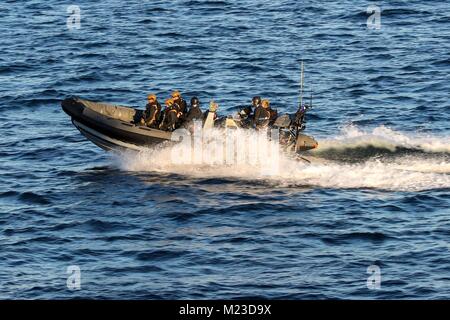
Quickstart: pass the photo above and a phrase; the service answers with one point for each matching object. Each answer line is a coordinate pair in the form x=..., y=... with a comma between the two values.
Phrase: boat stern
x=305, y=143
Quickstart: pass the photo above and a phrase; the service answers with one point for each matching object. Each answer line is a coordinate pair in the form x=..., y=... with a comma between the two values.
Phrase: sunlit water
x=141, y=227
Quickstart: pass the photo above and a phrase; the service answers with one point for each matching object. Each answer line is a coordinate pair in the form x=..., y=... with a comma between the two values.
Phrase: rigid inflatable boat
x=116, y=128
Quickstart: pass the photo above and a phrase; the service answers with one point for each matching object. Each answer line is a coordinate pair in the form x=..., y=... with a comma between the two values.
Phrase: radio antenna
x=301, y=84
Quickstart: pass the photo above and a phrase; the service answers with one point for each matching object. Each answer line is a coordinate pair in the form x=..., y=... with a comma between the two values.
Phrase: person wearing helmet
x=263, y=115
x=152, y=112
x=195, y=113
x=170, y=116
x=246, y=114
x=180, y=104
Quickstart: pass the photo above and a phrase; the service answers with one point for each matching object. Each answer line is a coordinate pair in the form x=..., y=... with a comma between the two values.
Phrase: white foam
x=405, y=173
x=384, y=137
x=400, y=175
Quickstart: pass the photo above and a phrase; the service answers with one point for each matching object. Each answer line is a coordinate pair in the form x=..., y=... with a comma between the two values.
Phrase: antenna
x=301, y=85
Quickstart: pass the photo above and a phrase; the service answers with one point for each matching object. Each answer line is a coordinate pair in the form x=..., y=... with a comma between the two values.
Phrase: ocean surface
x=139, y=228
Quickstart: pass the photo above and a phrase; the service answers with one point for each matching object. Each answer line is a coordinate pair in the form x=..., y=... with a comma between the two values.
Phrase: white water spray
x=384, y=137
x=396, y=173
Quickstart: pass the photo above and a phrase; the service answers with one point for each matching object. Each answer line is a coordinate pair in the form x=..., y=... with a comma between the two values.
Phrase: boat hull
x=111, y=133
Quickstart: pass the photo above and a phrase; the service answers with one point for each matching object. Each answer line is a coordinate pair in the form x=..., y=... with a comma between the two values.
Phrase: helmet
x=265, y=103
x=151, y=97
x=176, y=94
x=256, y=100
x=195, y=101
x=169, y=102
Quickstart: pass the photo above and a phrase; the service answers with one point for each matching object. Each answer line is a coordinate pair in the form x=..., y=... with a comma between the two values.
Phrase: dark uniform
x=170, y=117
x=264, y=115
x=195, y=113
x=152, y=114
x=247, y=114
x=181, y=105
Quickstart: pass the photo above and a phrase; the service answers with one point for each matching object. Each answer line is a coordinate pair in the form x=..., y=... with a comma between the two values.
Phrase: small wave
x=17, y=68
x=442, y=63
x=388, y=13
x=95, y=225
x=33, y=198
x=9, y=194
x=103, y=226
x=175, y=35
x=41, y=153
x=403, y=12
x=155, y=10
x=133, y=269
x=43, y=239
x=159, y=255
x=208, y=4
x=376, y=237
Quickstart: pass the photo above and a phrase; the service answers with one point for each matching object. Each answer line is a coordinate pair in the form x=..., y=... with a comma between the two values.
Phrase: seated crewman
x=194, y=113
x=180, y=104
x=152, y=112
x=263, y=115
x=170, y=116
x=248, y=111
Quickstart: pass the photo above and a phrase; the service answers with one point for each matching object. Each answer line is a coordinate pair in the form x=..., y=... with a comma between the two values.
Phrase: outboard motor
x=305, y=143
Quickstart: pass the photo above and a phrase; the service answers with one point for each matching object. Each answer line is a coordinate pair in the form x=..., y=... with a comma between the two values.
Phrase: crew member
x=180, y=104
x=152, y=112
x=195, y=113
x=170, y=117
x=263, y=115
x=247, y=112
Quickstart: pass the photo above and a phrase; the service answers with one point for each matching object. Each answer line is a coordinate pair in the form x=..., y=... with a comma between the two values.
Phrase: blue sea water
x=139, y=229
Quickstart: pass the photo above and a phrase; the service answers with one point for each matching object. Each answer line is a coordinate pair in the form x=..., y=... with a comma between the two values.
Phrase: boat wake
x=354, y=144
x=378, y=159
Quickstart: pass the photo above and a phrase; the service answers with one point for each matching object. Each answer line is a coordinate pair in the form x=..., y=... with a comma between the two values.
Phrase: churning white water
x=428, y=167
